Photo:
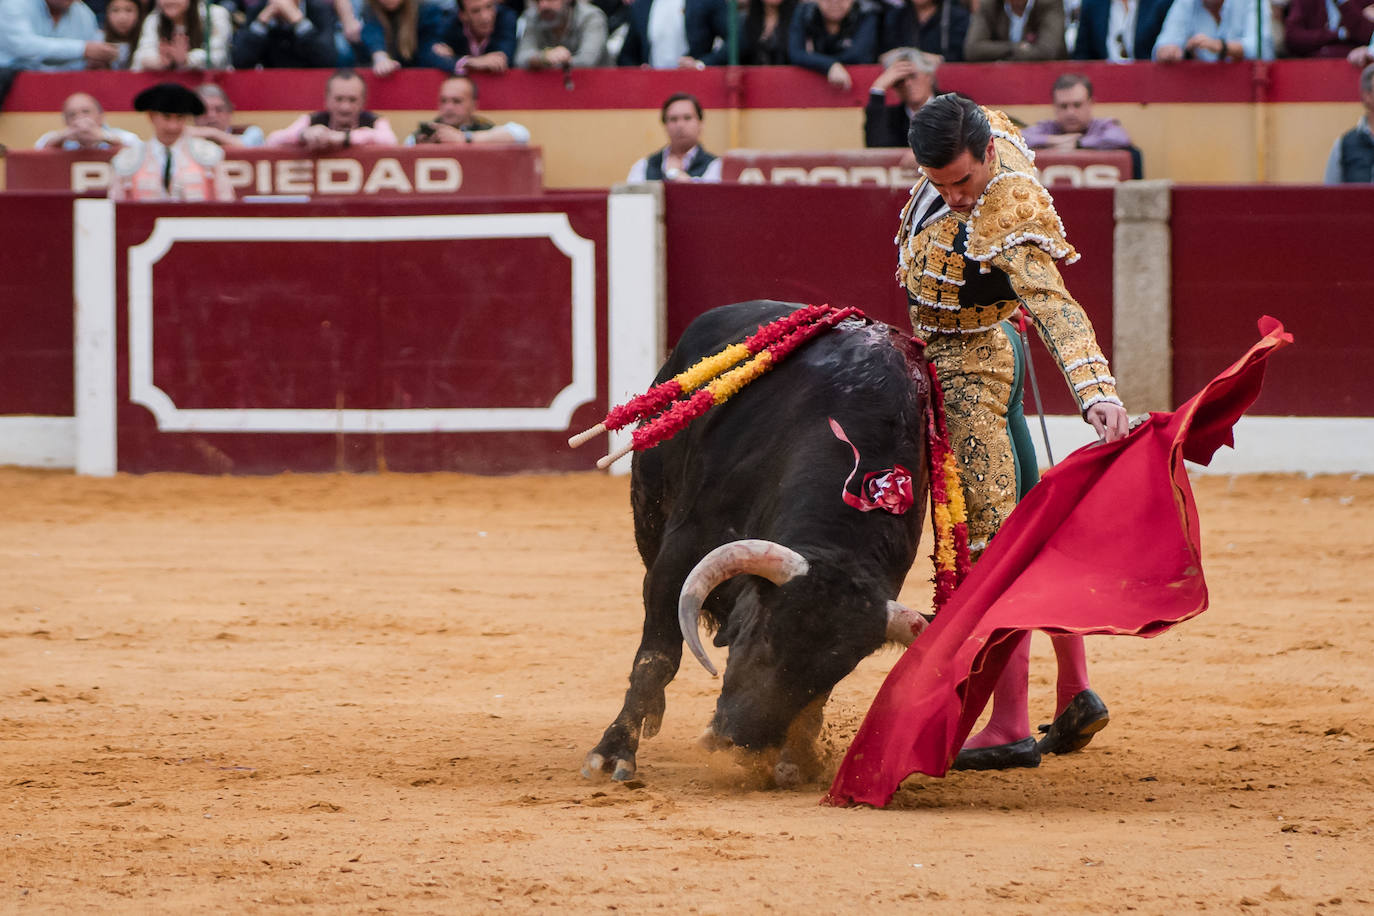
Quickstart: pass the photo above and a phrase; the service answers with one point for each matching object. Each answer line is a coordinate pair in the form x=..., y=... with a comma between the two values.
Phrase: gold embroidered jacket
x=964, y=274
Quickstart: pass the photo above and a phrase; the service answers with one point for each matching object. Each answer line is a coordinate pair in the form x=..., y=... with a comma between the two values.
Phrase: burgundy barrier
x=432, y=170
x=895, y=168
x=720, y=87
x=36, y=304
x=834, y=245
x=1299, y=254
x=288, y=321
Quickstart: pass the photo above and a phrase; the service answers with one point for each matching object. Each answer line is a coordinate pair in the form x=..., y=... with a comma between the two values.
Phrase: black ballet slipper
x=1023, y=753
x=1072, y=729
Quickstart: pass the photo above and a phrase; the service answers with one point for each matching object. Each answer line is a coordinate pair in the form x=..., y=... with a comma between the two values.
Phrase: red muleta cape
x=1106, y=542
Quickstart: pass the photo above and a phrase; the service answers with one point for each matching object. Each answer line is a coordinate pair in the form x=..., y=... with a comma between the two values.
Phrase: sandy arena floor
x=373, y=694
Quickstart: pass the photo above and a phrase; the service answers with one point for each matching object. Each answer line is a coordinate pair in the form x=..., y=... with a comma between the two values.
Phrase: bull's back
x=765, y=463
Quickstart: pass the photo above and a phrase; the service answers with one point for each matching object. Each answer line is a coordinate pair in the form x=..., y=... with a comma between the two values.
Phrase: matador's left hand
x=1109, y=420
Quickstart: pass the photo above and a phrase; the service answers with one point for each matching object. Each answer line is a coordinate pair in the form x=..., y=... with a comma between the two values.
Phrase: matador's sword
x=1035, y=388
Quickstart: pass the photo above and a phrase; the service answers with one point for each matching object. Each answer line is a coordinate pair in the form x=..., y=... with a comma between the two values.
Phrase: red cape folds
x=1106, y=542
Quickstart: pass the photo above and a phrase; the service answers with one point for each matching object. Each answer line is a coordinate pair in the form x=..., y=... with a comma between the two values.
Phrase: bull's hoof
x=711, y=741
x=787, y=774
x=620, y=768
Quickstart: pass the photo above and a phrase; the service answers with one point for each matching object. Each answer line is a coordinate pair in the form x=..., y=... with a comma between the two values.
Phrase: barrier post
x=1142, y=350
x=637, y=287
x=94, y=289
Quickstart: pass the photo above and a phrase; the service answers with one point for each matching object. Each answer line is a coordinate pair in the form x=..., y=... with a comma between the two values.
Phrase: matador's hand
x=1109, y=420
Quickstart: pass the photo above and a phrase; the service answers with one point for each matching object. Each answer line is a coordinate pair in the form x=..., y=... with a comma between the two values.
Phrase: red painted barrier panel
x=360, y=336
x=728, y=243
x=36, y=304
x=894, y=167
x=1299, y=254
x=380, y=172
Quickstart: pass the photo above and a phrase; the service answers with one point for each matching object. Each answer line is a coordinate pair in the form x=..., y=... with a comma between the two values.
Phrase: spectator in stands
x=401, y=33
x=1213, y=30
x=1073, y=125
x=1119, y=30
x=173, y=165
x=344, y=122
x=683, y=159
x=184, y=35
x=1352, y=155
x=827, y=34
x=911, y=74
x=665, y=34
x=123, y=25
x=764, y=28
x=458, y=121
x=934, y=26
x=1016, y=30
x=286, y=33
x=51, y=35
x=85, y=127
x=479, y=39
x=562, y=34
x=1328, y=28
x=216, y=123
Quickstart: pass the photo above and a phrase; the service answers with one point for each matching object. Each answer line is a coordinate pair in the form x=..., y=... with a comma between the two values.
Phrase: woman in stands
x=184, y=35
x=123, y=23
x=401, y=33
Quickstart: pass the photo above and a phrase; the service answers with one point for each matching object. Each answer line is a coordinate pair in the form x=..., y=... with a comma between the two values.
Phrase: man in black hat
x=173, y=165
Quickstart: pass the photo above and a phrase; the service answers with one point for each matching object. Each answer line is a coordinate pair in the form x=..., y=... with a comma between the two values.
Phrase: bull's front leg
x=656, y=664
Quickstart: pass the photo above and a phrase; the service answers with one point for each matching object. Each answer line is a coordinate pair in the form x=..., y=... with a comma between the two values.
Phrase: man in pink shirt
x=343, y=123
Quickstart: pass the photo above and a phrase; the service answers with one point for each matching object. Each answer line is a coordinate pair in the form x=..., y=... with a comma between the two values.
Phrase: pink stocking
x=1010, y=720
x=1073, y=670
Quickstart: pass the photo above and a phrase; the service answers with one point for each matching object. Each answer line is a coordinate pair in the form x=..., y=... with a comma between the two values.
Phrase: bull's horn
x=903, y=624
x=774, y=562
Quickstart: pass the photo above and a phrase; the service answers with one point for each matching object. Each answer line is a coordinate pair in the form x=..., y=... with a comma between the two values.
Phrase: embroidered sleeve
x=1061, y=323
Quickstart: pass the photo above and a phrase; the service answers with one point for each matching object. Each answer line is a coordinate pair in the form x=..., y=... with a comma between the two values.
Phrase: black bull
x=766, y=467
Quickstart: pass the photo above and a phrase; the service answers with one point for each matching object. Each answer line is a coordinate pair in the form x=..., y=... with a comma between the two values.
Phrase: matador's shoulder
x=1015, y=209
x=1011, y=146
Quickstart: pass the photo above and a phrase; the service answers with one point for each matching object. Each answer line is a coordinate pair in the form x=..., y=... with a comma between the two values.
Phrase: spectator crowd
x=464, y=38
x=828, y=37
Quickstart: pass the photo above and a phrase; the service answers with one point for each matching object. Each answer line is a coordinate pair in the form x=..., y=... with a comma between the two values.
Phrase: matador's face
x=963, y=180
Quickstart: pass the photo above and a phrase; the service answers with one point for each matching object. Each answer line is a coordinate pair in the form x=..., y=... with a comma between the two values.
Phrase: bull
x=739, y=520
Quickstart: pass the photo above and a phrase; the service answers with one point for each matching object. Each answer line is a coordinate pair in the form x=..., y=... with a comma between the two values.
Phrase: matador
x=979, y=240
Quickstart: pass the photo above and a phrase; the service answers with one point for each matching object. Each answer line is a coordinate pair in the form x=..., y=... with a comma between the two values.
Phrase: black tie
x=167, y=169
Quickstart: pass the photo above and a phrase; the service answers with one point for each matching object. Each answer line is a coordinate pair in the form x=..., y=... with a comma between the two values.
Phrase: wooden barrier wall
x=1195, y=122
x=358, y=335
